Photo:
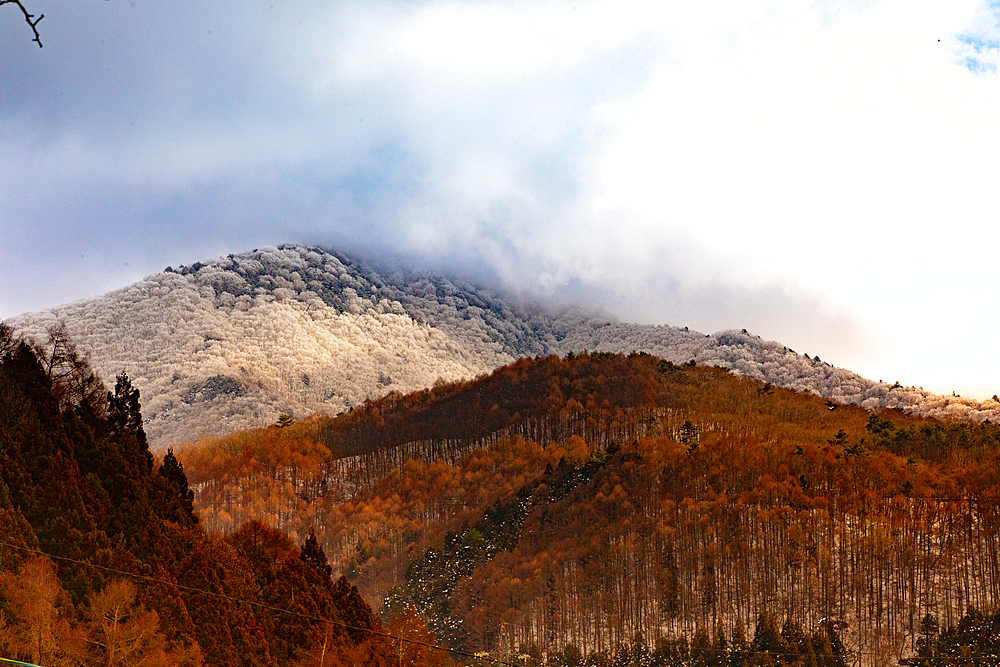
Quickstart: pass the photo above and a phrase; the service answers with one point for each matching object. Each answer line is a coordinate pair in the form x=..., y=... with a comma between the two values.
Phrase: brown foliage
x=40, y=613
x=718, y=499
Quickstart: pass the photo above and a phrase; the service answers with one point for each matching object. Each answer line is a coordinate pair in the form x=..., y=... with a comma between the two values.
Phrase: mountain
x=235, y=342
x=614, y=506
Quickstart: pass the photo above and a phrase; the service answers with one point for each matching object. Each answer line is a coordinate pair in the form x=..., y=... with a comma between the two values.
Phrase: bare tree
x=123, y=632
x=29, y=18
x=38, y=627
x=74, y=382
x=8, y=340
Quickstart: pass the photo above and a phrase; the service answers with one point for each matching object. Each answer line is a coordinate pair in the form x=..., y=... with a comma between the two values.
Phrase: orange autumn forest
x=601, y=504
x=593, y=509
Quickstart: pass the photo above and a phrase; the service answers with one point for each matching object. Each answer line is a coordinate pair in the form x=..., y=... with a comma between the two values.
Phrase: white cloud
x=978, y=45
x=823, y=167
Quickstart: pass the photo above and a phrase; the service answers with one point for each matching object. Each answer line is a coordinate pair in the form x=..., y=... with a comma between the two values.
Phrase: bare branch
x=28, y=17
x=8, y=340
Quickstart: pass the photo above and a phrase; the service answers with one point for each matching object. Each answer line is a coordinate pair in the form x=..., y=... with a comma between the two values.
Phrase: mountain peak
x=236, y=341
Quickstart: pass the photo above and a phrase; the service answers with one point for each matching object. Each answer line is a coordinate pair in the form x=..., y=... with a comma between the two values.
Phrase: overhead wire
x=477, y=656
x=259, y=605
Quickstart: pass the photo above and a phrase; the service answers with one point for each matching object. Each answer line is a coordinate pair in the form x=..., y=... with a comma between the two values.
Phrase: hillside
x=103, y=560
x=590, y=500
x=234, y=342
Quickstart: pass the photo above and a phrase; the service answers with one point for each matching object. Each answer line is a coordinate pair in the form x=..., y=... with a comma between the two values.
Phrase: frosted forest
x=237, y=341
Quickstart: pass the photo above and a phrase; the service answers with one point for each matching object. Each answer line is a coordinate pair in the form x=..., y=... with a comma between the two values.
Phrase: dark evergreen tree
x=312, y=554
x=740, y=652
x=179, y=500
x=125, y=419
x=767, y=645
x=719, y=657
x=838, y=653
x=926, y=640
x=700, y=647
x=797, y=644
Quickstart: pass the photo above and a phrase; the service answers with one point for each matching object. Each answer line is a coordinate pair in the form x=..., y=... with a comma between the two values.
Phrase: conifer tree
x=700, y=647
x=125, y=419
x=767, y=638
x=180, y=500
x=720, y=647
x=312, y=555
x=740, y=652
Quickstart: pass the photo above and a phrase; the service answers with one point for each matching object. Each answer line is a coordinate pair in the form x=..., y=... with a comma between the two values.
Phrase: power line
x=478, y=656
x=259, y=605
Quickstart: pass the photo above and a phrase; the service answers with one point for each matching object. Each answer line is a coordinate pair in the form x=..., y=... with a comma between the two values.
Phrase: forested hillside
x=600, y=503
x=103, y=560
x=235, y=342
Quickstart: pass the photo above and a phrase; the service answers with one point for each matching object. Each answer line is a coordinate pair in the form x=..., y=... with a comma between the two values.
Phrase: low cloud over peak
x=819, y=173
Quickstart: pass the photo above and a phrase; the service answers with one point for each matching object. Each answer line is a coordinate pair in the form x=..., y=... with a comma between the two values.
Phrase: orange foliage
x=716, y=499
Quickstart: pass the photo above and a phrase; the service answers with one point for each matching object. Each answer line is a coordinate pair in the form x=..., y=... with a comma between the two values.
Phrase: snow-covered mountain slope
x=768, y=361
x=234, y=342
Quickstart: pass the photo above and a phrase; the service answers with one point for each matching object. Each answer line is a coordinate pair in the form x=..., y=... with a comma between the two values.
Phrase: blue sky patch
x=979, y=47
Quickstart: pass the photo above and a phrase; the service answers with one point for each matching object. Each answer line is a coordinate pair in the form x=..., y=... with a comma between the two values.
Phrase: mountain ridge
x=601, y=500
x=234, y=342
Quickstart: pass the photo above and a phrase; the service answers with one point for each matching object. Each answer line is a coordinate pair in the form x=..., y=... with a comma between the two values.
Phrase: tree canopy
x=103, y=559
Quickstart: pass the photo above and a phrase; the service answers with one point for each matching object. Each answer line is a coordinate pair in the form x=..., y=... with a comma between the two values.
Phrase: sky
x=823, y=173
